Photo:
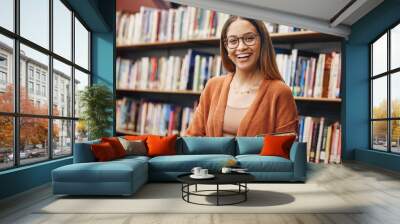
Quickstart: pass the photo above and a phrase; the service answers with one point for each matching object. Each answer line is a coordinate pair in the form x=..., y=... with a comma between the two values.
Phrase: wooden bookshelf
x=308, y=43
x=293, y=37
x=189, y=92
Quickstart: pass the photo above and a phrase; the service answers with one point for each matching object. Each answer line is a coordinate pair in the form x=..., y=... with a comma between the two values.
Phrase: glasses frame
x=241, y=38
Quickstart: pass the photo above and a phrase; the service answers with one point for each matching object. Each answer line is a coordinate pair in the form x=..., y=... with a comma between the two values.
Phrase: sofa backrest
x=249, y=145
x=206, y=145
x=83, y=152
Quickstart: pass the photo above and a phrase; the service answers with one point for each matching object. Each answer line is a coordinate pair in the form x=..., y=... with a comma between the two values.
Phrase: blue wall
x=99, y=16
x=356, y=94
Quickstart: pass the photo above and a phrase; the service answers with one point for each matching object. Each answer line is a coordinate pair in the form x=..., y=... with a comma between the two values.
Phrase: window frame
x=388, y=74
x=16, y=115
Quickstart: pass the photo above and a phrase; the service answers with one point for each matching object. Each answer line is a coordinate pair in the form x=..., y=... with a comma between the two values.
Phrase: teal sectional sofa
x=125, y=176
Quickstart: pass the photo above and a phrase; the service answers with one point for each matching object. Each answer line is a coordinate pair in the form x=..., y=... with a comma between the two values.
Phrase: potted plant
x=96, y=104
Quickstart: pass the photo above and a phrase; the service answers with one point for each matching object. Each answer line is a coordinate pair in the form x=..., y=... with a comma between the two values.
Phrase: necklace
x=238, y=89
x=243, y=91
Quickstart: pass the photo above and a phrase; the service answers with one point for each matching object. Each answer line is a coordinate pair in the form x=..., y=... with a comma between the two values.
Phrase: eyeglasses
x=249, y=39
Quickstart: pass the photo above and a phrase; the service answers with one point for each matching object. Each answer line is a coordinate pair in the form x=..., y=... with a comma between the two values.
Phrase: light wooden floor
x=378, y=188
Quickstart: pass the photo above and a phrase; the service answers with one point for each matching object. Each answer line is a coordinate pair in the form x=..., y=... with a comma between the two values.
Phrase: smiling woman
x=252, y=98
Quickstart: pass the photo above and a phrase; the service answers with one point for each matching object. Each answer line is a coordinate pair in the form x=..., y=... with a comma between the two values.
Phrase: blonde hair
x=266, y=62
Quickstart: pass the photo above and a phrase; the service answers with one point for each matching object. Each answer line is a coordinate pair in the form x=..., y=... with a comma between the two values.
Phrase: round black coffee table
x=238, y=179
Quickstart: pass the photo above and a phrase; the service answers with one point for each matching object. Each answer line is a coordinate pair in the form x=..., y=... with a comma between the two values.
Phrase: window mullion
x=16, y=84
x=73, y=82
x=50, y=81
x=389, y=106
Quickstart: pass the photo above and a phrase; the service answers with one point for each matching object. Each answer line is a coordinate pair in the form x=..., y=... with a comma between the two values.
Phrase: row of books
x=311, y=75
x=324, y=144
x=156, y=25
x=148, y=117
x=182, y=23
x=172, y=73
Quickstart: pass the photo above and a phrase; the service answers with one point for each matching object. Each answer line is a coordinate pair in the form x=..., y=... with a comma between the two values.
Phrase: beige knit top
x=237, y=106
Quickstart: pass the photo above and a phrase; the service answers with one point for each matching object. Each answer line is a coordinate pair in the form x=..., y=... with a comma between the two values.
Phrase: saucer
x=208, y=176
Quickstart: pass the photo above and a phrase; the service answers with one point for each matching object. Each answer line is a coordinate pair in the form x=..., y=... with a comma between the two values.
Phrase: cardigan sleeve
x=197, y=126
x=286, y=117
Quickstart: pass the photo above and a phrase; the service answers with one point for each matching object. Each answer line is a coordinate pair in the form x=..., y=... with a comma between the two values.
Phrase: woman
x=252, y=98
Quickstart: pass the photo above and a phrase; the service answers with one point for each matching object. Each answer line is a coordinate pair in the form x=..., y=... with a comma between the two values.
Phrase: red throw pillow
x=116, y=145
x=103, y=152
x=160, y=146
x=277, y=145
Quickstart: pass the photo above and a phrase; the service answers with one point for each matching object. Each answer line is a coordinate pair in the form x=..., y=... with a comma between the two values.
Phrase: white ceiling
x=316, y=15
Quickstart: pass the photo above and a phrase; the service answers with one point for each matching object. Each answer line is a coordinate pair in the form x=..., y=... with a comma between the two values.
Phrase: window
x=7, y=14
x=3, y=61
x=3, y=72
x=37, y=75
x=34, y=21
x=385, y=97
x=41, y=83
x=81, y=45
x=3, y=78
x=30, y=72
x=37, y=89
x=30, y=87
x=44, y=91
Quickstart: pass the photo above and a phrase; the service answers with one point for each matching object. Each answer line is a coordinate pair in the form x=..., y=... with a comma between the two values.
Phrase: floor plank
x=376, y=189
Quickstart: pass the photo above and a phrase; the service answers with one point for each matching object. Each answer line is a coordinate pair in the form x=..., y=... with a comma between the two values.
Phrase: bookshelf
x=197, y=93
x=288, y=38
x=308, y=43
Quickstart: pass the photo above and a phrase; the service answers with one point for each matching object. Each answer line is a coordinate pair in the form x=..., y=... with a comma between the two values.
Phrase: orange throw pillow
x=116, y=145
x=161, y=146
x=103, y=152
x=277, y=145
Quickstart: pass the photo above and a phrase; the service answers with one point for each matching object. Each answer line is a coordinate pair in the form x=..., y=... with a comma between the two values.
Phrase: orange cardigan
x=273, y=109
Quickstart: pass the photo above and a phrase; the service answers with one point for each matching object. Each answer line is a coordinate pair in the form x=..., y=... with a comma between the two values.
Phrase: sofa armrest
x=83, y=152
x=298, y=157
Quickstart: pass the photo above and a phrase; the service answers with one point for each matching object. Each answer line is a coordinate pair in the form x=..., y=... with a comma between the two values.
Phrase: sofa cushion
x=161, y=145
x=207, y=145
x=257, y=163
x=111, y=171
x=277, y=145
x=249, y=145
x=116, y=145
x=134, y=147
x=185, y=163
x=103, y=152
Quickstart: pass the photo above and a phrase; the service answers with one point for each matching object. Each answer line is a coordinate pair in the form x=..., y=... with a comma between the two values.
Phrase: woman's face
x=243, y=45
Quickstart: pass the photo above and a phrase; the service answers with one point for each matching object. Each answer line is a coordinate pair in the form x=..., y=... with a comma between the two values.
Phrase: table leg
x=245, y=193
x=217, y=194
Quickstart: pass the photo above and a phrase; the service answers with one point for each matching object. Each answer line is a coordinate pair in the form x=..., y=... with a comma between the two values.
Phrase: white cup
x=196, y=171
x=226, y=170
x=203, y=172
